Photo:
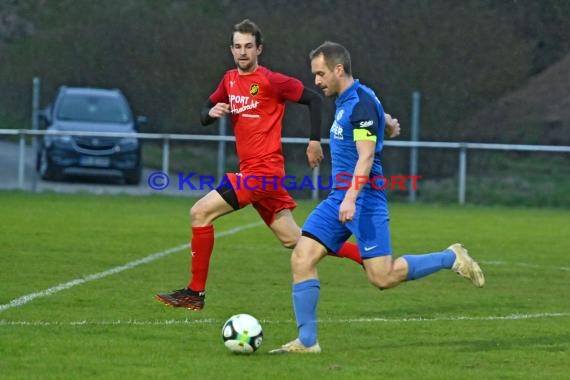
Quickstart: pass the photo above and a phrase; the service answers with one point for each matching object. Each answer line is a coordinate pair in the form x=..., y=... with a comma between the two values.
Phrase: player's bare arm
x=392, y=128
x=362, y=169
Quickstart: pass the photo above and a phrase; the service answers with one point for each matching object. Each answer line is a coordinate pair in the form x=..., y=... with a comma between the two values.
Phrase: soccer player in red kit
x=254, y=98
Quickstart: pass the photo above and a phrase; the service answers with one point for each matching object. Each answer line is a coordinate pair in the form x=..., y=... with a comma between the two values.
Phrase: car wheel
x=133, y=178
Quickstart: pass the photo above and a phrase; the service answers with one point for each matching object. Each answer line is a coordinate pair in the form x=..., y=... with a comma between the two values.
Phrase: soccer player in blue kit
x=359, y=208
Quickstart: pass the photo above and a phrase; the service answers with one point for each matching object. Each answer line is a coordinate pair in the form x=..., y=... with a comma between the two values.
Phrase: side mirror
x=45, y=116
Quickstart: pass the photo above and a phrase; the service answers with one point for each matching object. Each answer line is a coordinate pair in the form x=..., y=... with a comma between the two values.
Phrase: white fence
x=461, y=147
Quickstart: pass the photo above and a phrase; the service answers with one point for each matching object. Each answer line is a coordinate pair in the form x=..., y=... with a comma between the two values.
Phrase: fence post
x=21, y=160
x=35, y=127
x=315, y=179
x=221, y=167
x=462, y=174
x=415, y=136
x=165, y=154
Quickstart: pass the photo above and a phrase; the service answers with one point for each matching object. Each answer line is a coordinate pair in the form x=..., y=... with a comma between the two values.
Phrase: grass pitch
x=79, y=272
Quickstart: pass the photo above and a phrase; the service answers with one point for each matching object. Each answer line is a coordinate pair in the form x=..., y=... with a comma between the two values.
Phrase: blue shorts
x=370, y=226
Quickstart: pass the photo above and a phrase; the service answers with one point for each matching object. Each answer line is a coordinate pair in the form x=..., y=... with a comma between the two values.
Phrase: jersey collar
x=347, y=93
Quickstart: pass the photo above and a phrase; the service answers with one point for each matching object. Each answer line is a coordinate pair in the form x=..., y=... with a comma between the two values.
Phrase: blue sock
x=305, y=299
x=422, y=265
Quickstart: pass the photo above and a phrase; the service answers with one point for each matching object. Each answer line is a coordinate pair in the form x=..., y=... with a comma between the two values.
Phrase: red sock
x=350, y=251
x=201, y=246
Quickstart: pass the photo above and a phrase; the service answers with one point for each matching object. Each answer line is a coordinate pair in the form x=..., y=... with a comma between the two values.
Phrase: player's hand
x=314, y=153
x=346, y=211
x=219, y=110
x=392, y=126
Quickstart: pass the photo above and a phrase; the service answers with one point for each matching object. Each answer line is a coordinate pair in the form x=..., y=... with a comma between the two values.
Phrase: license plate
x=100, y=162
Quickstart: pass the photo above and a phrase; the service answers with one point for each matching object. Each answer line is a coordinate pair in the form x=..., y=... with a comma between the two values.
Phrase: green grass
x=112, y=327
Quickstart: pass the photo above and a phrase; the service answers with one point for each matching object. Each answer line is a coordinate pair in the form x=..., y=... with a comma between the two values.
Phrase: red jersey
x=257, y=105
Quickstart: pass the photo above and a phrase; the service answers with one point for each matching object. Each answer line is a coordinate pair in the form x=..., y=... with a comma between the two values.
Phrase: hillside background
x=492, y=71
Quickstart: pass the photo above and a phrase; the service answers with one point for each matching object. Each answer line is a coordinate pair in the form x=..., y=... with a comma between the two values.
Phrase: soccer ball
x=242, y=333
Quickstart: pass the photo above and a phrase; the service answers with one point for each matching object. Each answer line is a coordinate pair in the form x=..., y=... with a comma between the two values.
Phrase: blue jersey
x=359, y=116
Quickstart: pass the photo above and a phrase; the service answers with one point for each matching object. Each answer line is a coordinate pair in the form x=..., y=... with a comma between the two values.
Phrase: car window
x=104, y=109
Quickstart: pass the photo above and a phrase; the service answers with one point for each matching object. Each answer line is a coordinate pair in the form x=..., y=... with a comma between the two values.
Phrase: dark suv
x=93, y=110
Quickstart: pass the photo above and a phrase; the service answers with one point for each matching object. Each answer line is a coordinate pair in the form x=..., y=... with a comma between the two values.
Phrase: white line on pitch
x=209, y=321
x=96, y=276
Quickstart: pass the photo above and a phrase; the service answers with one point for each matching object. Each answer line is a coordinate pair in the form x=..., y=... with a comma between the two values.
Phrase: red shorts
x=264, y=193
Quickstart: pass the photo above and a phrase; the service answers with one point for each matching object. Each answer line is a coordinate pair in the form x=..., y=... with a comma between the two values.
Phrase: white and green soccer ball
x=242, y=333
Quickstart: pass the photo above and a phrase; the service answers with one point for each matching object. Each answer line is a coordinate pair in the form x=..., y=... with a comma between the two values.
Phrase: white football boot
x=466, y=267
x=296, y=346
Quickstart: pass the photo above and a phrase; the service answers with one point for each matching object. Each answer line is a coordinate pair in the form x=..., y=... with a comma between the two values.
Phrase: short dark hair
x=247, y=27
x=334, y=54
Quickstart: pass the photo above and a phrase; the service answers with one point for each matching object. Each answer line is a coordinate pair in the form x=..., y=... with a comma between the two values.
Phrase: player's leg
x=371, y=229
x=286, y=228
x=306, y=292
x=322, y=233
x=202, y=215
x=275, y=207
x=216, y=203
x=385, y=273
x=288, y=232
x=350, y=251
